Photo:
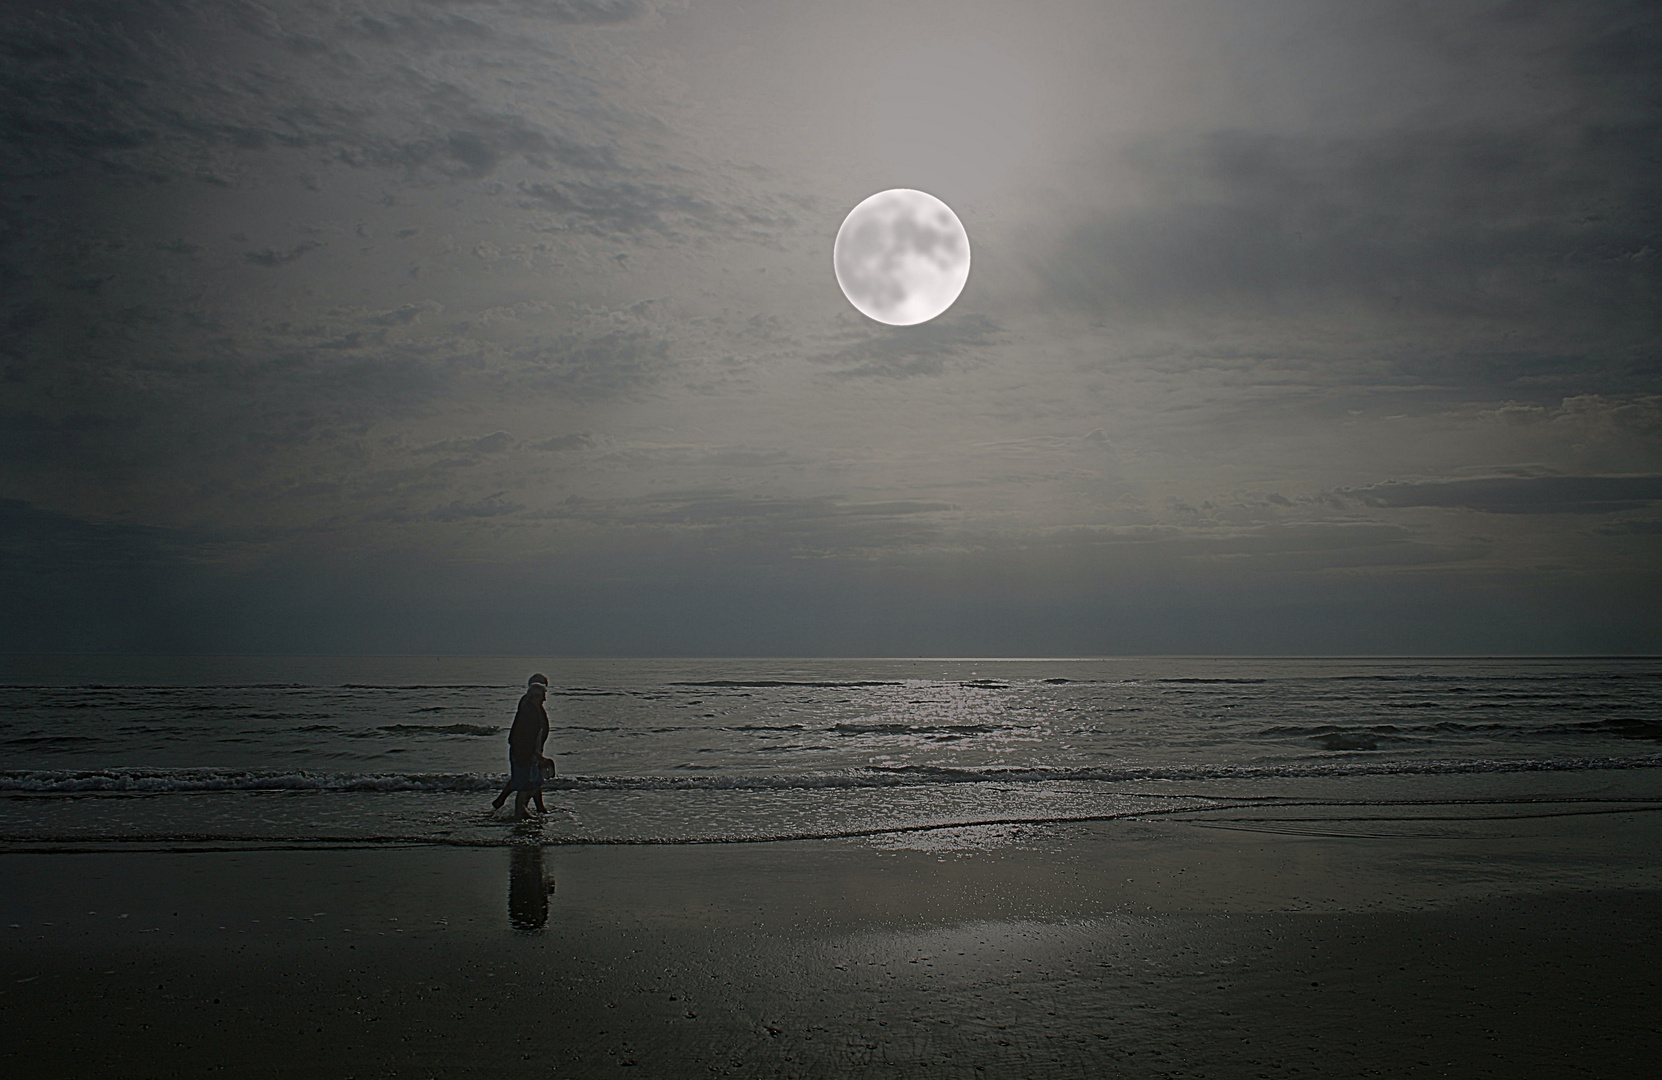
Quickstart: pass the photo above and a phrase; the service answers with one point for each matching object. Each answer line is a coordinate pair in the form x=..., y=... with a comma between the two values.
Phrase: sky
x=510, y=327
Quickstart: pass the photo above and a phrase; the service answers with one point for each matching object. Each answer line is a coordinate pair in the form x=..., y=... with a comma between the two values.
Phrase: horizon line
x=1075, y=658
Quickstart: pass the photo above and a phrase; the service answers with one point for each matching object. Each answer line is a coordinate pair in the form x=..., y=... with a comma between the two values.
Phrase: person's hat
x=539, y=677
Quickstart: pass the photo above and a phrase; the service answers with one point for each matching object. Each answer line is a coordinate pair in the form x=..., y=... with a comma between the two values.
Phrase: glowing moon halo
x=901, y=257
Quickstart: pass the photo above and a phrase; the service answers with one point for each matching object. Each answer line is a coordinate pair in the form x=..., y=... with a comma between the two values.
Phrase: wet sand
x=1136, y=949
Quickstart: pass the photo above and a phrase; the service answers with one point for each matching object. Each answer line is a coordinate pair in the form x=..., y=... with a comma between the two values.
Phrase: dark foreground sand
x=1122, y=949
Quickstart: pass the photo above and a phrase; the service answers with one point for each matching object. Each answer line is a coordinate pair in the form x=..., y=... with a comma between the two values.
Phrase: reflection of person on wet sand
x=528, y=890
x=525, y=743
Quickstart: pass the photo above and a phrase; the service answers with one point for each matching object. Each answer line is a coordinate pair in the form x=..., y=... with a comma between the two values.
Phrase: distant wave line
x=154, y=781
x=1624, y=664
x=775, y=683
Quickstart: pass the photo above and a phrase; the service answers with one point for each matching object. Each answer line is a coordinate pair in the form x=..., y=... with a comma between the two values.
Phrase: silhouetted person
x=528, y=890
x=525, y=743
x=508, y=787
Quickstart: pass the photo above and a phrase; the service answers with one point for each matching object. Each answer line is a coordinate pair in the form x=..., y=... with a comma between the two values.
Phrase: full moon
x=901, y=257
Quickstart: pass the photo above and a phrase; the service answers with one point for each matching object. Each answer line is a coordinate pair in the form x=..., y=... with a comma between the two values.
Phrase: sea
x=233, y=753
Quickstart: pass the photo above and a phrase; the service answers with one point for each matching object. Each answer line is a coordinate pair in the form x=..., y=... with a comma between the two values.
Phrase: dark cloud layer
x=144, y=590
x=1525, y=244
x=1548, y=225
x=1523, y=495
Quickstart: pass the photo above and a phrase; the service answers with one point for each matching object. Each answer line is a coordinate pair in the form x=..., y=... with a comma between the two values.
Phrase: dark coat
x=529, y=732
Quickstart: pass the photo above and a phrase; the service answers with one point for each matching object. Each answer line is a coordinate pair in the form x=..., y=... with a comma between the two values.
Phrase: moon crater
x=902, y=257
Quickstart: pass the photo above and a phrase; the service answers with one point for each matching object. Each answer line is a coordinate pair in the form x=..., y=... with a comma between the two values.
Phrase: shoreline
x=1147, y=949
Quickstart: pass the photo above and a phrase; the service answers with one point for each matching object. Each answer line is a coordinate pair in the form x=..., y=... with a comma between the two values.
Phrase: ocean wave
x=47, y=740
x=875, y=728
x=1629, y=728
x=409, y=686
x=191, y=781
x=1311, y=769
x=1475, y=677
x=1210, y=682
x=1621, y=727
x=152, y=688
x=127, y=705
x=1314, y=730
x=150, y=781
x=765, y=683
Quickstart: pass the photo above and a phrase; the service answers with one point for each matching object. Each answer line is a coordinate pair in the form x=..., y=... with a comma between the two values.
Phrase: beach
x=1525, y=946
x=1151, y=867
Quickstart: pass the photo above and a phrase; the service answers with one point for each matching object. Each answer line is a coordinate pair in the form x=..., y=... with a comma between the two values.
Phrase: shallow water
x=294, y=751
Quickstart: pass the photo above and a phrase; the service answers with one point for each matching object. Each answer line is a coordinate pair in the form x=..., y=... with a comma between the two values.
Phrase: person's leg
x=507, y=789
x=537, y=795
x=520, y=799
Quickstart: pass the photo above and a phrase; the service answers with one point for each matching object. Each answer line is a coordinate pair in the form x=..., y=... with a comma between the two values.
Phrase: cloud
x=1635, y=527
x=901, y=352
x=490, y=139
x=126, y=291
x=1473, y=223
x=457, y=510
x=590, y=12
x=706, y=507
x=147, y=91
x=129, y=588
x=617, y=209
x=494, y=443
x=1501, y=176
x=40, y=542
x=1587, y=415
x=36, y=439
x=610, y=353
x=1518, y=495
x=273, y=257
x=80, y=585
x=803, y=526
x=624, y=207
x=298, y=271
x=647, y=455
x=405, y=314
x=463, y=509
x=580, y=440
